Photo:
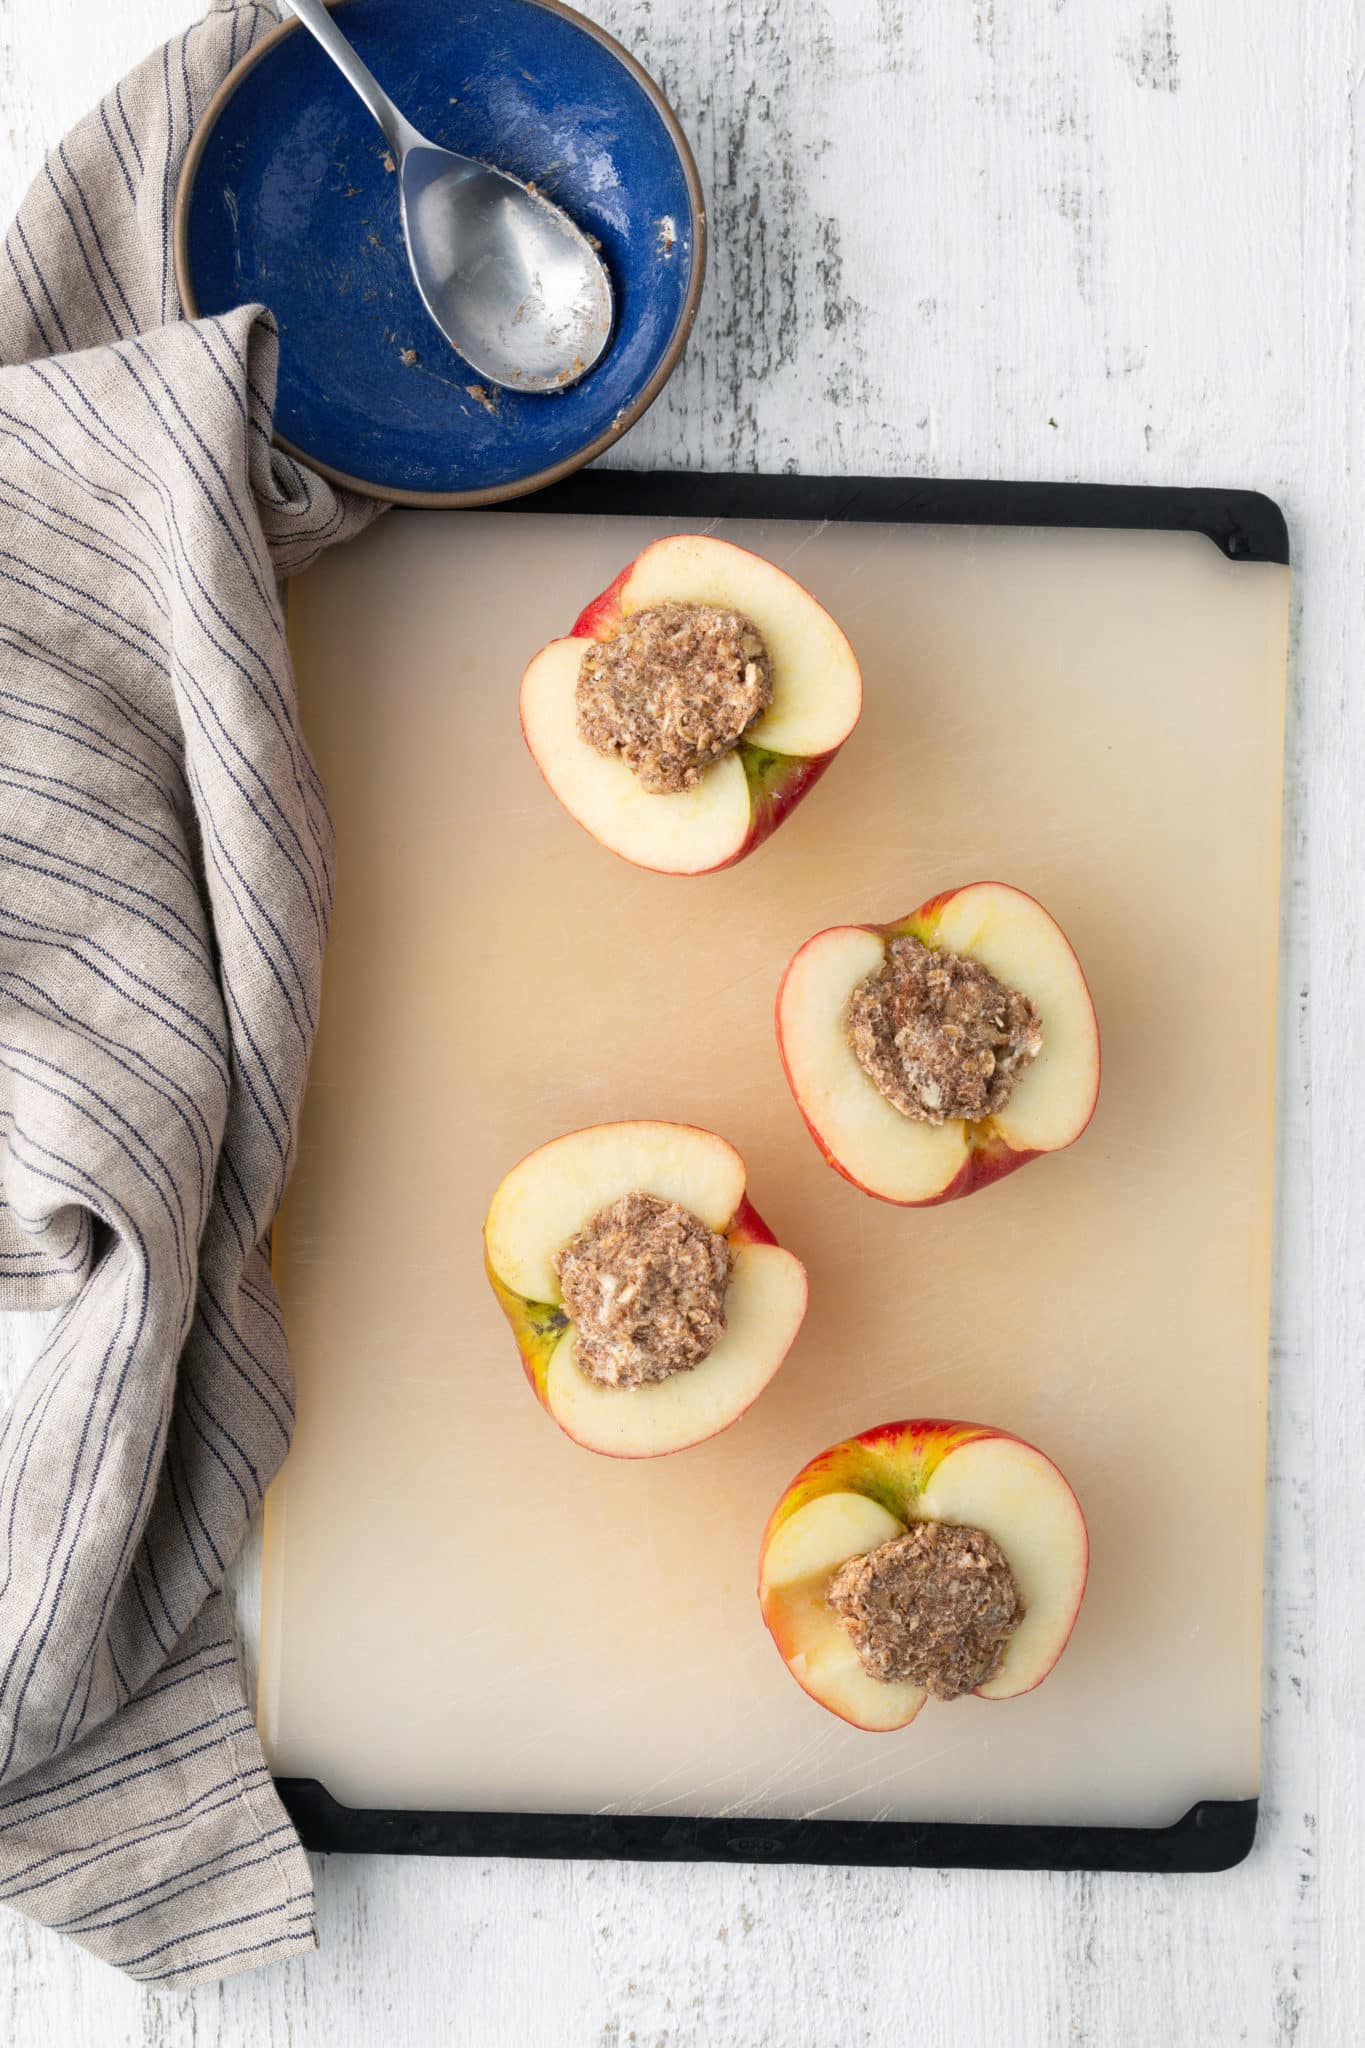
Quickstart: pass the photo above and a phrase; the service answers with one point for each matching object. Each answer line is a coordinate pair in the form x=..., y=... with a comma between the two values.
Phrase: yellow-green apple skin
x=869, y=1489
x=765, y=1302
x=866, y=1138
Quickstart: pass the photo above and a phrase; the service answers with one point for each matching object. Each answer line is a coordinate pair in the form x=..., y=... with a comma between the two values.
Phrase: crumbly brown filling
x=675, y=689
x=644, y=1283
x=939, y=1035
x=934, y=1607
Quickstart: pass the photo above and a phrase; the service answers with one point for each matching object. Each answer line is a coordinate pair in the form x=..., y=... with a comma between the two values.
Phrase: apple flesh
x=865, y=1137
x=745, y=795
x=546, y=1200
x=867, y=1491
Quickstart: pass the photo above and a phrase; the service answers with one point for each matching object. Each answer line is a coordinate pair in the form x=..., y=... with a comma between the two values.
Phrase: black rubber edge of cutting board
x=1246, y=526
x=1216, y=1834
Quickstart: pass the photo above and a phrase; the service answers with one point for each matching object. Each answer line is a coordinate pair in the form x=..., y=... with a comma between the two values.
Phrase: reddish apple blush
x=936, y=1054
x=922, y=1558
x=694, y=705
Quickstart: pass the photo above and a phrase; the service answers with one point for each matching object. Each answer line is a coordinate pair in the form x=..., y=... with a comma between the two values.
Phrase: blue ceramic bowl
x=285, y=197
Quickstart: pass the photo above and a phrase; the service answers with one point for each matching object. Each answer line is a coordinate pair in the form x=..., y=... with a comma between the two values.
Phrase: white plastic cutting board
x=463, y=1609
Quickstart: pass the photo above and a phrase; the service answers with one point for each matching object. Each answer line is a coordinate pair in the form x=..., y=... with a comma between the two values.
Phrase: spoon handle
x=398, y=132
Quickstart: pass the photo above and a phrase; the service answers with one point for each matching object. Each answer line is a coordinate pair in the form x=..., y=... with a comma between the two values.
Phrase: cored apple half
x=548, y=1199
x=867, y=1491
x=746, y=794
x=863, y=1135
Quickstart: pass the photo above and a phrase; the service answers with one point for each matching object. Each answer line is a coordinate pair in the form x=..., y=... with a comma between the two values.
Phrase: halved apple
x=867, y=1138
x=543, y=1205
x=743, y=796
x=868, y=1491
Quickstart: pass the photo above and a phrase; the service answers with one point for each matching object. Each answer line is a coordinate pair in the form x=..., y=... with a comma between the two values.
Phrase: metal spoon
x=508, y=278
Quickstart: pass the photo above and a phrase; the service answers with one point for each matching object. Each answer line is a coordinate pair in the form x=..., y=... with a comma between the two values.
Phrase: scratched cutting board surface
x=465, y=1610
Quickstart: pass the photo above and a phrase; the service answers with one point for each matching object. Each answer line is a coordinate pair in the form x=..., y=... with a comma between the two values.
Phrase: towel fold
x=165, y=883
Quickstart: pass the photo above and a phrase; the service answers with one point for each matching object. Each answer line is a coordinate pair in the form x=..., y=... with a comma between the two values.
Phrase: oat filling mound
x=940, y=1036
x=933, y=1608
x=673, y=691
x=644, y=1283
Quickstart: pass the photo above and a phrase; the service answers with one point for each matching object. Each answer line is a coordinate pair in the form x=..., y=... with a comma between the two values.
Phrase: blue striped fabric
x=165, y=884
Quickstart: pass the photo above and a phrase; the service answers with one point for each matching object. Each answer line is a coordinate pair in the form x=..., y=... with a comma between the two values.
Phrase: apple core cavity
x=934, y=1608
x=674, y=689
x=644, y=1283
x=939, y=1036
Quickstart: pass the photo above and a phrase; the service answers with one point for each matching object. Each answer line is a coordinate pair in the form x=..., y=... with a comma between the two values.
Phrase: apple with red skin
x=547, y=1199
x=867, y=1491
x=863, y=1135
x=743, y=797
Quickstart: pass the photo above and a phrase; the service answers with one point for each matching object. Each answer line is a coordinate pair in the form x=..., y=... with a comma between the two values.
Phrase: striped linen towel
x=165, y=876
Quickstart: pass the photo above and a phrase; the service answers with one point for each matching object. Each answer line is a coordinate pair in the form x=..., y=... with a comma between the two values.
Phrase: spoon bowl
x=508, y=278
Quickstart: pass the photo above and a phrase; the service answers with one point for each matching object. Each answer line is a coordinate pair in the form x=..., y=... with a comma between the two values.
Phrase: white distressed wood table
x=1105, y=239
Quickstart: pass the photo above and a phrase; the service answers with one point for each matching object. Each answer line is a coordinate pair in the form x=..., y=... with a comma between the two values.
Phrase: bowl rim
x=623, y=420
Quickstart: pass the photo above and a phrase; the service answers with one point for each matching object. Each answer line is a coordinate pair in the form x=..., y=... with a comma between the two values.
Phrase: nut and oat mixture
x=939, y=1035
x=644, y=1282
x=934, y=1607
x=673, y=691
